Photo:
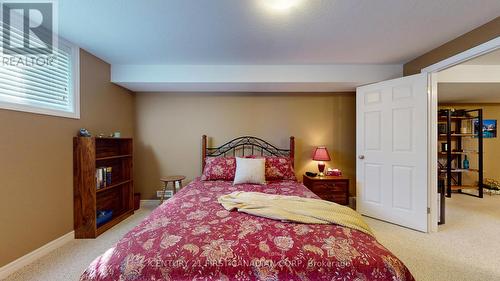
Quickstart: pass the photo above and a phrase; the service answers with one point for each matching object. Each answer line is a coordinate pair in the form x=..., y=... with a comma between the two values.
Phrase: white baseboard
x=14, y=266
x=150, y=203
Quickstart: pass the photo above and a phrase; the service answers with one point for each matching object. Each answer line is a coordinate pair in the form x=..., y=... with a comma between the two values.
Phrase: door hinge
x=428, y=210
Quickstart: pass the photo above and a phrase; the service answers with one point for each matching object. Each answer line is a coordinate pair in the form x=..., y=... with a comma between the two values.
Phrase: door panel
x=402, y=187
x=392, y=151
x=373, y=176
x=402, y=131
x=372, y=130
x=372, y=97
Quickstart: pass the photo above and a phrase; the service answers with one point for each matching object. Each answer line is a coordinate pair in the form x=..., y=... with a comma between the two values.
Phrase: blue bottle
x=466, y=163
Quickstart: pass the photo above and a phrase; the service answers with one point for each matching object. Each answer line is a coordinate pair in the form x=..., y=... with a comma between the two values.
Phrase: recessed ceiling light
x=280, y=5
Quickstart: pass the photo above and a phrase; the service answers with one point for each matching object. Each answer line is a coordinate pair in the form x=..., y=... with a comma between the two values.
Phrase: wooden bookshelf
x=90, y=153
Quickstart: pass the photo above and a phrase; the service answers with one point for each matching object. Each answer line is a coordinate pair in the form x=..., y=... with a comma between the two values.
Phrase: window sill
x=39, y=110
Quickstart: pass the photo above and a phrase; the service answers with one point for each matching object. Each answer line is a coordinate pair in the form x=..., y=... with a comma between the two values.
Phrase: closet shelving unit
x=453, y=170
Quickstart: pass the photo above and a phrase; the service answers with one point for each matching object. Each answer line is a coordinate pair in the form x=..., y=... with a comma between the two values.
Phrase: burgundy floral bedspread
x=191, y=237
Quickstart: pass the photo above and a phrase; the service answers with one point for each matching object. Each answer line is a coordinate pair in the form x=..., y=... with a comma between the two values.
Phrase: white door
x=392, y=151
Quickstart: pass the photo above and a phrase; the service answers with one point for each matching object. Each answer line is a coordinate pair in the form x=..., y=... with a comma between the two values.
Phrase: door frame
x=432, y=99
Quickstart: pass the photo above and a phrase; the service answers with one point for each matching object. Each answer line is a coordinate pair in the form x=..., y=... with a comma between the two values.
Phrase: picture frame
x=489, y=128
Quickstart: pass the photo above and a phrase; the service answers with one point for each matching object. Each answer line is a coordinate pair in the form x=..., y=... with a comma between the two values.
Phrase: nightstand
x=331, y=188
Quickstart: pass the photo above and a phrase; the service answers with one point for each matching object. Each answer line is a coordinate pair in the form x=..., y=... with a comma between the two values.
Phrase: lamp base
x=321, y=168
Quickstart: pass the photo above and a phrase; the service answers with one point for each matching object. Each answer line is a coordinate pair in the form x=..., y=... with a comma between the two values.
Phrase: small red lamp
x=321, y=154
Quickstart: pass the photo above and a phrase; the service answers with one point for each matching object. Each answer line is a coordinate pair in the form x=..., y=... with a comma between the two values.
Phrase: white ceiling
x=474, y=81
x=339, y=34
x=245, y=32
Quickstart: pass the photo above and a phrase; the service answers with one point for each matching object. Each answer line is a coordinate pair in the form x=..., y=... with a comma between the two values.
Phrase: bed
x=192, y=237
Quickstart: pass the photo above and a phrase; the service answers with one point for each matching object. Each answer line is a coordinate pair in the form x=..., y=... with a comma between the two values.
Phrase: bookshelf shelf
x=458, y=117
x=113, y=186
x=460, y=187
x=460, y=170
x=113, y=157
x=460, y=152
x=459, y=135
x=118, y=218
x=91, y=155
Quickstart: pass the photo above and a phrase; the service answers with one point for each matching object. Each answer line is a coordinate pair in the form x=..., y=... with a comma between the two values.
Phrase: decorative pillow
x=250, y=170
x=219, y=168
x=277, y=168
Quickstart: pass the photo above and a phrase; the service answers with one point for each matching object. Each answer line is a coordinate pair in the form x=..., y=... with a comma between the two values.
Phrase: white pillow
x=250, y=170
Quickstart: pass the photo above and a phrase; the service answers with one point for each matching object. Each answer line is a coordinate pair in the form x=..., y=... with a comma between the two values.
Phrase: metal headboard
x=246, y=144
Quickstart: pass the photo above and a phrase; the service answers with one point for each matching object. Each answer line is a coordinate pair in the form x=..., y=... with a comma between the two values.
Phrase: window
x=44, y=84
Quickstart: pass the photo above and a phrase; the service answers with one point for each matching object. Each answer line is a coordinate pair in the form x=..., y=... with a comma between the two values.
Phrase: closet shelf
x=458, y=117
x=458, y=135
x=459, y=152
x=460, y=170
x=459, y=187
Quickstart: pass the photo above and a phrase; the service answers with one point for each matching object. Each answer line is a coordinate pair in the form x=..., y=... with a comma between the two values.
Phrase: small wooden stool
x=173, y=180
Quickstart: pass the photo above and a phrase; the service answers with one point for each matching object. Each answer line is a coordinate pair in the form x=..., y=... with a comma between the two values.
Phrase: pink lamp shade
x=321, y=154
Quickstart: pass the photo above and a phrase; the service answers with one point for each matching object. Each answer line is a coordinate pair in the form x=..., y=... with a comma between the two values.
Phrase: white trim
x=432, y=181
x=432, y=71
x=37, y=110
x=471, y=53
x=14, y=266
x=75, y=54
x=150, y=203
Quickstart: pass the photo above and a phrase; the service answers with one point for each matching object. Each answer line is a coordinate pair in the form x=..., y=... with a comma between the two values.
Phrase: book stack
x=103, y=177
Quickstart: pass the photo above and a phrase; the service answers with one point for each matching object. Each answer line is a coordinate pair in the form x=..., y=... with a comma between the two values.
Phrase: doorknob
x=361, y=157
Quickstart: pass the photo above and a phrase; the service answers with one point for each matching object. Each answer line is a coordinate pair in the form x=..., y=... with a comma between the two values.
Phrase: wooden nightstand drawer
x=335, y=189
x=329, y=186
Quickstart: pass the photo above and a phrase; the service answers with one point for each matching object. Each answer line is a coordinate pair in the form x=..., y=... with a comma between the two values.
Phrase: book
x=97, y=183
x=108, y=175
x=104, y=183
x=99, y=177
x=103, y=177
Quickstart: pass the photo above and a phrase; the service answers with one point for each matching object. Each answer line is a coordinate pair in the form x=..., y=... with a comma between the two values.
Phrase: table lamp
x=321, y=154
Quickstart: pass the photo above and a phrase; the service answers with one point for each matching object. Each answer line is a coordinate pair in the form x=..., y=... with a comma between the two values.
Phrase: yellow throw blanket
x=294, y=208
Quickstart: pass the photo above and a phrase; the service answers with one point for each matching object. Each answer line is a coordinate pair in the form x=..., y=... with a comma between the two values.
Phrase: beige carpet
x=68, y=262
x=466, y=248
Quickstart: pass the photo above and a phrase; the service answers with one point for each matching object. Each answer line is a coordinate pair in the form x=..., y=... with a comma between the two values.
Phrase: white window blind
x=38, y=83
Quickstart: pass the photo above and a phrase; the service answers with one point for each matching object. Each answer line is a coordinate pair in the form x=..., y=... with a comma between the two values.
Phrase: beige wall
x=36, y=161
x=469, y=40
x=491, y=146
x=169, y=129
